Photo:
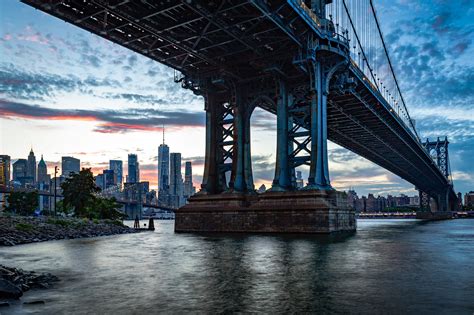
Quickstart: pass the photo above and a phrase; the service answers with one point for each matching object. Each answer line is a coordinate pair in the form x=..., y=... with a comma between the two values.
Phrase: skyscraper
x=31, y=168
x=176, y=180
x=163, y=167
x=5, y=175
x=20, y=172
x=299, y=180
x=43, y=176
x=117, y=167
x=188, y=189
x=133, y=169
x=109, y=178
x=70, y=165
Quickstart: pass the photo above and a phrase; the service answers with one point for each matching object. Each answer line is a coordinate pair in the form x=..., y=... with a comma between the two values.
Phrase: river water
x=388, y=266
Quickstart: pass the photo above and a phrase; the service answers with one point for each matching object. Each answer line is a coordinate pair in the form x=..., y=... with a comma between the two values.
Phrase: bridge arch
x=260, y=121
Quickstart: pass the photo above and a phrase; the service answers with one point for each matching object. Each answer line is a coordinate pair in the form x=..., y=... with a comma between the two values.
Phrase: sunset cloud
x=108, y=121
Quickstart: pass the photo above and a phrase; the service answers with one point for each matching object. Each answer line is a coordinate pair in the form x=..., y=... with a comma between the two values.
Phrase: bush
x=63, y=223
x=114, y=222
x=25, y=227
x=22, y=203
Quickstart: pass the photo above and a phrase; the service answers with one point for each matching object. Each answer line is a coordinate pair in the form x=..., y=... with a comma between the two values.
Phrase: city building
x=3, y=179
x=133, y=169
x=163, y=168
x=469, y=199
x=43, y=177
x=69, y=165
x=176, y=181
x=414, y=201
x=5, y=161
x=262, y=189
x=371, y=204
x=459, y=200
x=106, y=180
x=99, y=181
x=299, y=180
x=188, y=189
x=31, y=167
x=352, y=198
x=20, y=173
x=117, y=167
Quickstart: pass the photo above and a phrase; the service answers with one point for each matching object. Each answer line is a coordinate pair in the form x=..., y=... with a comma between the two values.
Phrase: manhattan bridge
x=321, y=66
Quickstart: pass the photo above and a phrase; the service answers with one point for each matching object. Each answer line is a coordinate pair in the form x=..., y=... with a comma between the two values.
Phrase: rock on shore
x=13, y=281
x=22, y=230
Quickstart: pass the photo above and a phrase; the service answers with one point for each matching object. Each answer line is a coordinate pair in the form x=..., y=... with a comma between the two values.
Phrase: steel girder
x=240, y=40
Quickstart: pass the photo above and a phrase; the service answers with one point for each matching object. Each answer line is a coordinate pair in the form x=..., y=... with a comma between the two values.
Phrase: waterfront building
x=459, y=200
x=469, y=199
x=381, y=203
x=176, y=181
x=31, y=166
x=414, y=201
x=360, y=204
x=43, y=176
x=5, y=173
x=69, y=165
x=262, y=189
x=117, y=167
x=299, y=180
x=188, y=189
x=371, y=203
x=403, y=200
x=3, y=179
x=352, y=198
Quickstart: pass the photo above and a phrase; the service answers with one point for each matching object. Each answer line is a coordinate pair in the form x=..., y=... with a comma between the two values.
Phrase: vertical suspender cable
x=391, y=69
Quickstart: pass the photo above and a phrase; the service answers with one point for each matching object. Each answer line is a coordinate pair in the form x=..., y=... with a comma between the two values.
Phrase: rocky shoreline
x=14, y=282
x=23, y=230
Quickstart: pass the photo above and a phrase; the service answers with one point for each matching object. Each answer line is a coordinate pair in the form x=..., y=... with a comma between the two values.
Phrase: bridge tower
x=228, y=200
x=438, y=151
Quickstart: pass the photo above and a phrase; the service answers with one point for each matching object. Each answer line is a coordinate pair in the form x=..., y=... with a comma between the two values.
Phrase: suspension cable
x=391, y=69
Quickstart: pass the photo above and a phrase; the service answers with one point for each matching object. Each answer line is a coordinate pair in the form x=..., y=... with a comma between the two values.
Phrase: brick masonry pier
x=305, y=211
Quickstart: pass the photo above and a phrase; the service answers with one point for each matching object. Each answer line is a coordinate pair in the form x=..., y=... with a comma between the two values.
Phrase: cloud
x=18, y=84
x=109, y=121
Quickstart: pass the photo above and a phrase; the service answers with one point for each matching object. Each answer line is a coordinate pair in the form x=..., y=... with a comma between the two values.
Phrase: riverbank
x=14, y=282
x=22, y=230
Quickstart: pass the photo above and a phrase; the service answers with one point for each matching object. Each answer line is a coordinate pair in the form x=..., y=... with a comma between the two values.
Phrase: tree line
x=79, y=199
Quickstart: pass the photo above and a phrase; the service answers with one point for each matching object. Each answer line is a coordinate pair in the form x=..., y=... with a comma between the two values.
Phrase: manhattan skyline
x=66, y=92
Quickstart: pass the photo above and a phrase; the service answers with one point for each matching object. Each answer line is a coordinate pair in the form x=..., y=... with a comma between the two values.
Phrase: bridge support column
x=282, y=179
x=241, y=177
x=213, y=181
x=424, y=201
x=319, y=172
x=442, y=201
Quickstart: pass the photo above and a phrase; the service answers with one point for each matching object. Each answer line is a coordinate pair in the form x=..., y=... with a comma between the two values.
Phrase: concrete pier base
x=436, y=215
x=304, y=211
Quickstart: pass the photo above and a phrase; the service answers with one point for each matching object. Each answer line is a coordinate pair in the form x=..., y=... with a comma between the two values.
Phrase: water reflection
x=387, y=266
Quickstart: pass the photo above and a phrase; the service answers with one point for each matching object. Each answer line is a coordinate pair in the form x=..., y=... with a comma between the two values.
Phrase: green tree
x=22, y=203
x=78, y=192
x=104, y=208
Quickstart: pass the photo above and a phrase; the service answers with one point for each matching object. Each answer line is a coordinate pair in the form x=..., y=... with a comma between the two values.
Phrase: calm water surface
x=388, y=266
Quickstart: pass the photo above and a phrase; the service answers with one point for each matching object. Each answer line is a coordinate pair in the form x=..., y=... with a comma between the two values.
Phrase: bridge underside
x=242, y=54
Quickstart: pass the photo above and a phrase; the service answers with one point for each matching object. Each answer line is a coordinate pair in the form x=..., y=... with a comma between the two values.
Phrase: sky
x=67, y=92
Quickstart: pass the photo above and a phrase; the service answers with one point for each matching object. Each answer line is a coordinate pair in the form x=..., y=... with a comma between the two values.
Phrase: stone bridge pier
x=228, y=201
